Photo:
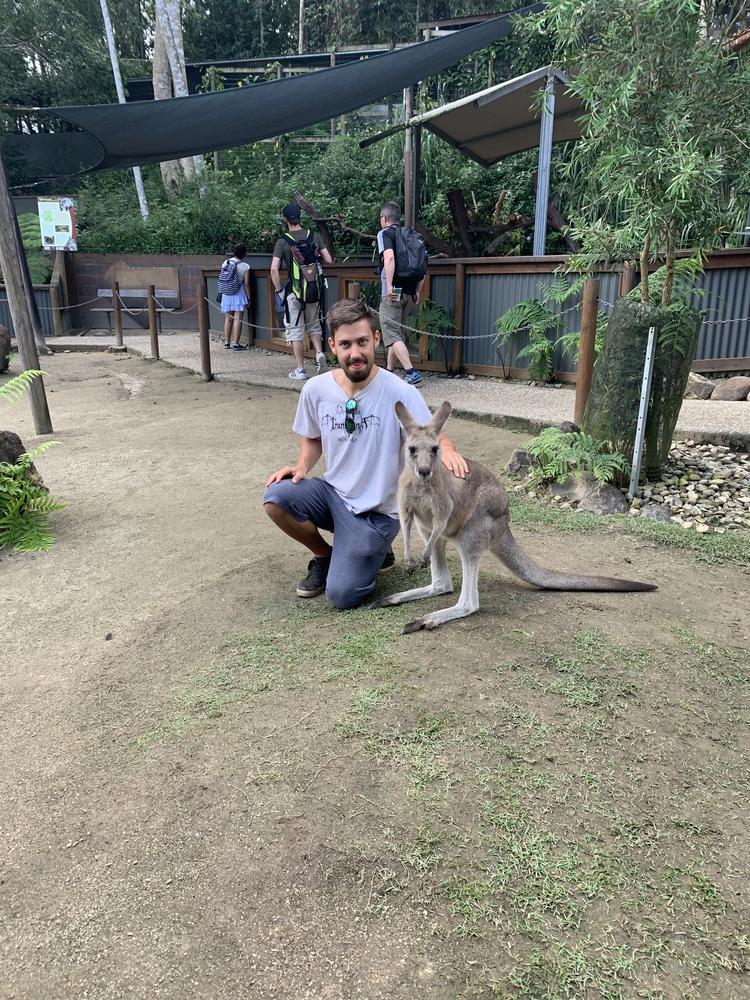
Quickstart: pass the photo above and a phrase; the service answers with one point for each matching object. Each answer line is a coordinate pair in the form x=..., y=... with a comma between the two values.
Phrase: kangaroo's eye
x=412, y=450
x=434, y=449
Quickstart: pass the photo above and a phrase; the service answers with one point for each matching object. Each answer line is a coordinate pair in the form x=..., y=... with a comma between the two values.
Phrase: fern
x=25, y=505
x=560, y=454
x=15, y=387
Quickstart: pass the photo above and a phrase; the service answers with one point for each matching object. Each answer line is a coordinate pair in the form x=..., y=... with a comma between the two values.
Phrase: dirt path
x=212, y=791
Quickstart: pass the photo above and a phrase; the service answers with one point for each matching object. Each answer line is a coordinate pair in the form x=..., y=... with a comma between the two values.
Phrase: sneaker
x=299, y=374
x=239, y=347
x=315, y=581
x=389, y=562
x=227, y=345
x=413, y=377
x=320, y=362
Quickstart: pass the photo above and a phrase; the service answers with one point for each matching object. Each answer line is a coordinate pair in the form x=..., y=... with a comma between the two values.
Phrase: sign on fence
x=57, y=221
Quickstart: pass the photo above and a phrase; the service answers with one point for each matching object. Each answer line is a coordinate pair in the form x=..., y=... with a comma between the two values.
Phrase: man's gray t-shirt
x=363, y=467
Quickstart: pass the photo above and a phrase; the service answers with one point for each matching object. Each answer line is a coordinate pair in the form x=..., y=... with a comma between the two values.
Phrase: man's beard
x=360, y=374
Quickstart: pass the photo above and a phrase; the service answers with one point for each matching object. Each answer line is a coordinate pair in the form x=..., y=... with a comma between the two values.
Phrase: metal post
x=117, y=311
x=408, y=160
x=152, y=323
x=640, y=430
x=416, y=171
x=543, y=167
x=457, y=358
x=203, y=333
x=19, y=307
x=586, y=346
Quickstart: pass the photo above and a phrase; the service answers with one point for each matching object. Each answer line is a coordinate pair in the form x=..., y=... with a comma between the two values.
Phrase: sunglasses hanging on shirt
x=351, y=409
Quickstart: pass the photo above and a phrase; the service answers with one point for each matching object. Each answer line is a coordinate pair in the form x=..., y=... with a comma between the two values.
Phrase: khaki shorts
x=392, y=316
x=301, y=320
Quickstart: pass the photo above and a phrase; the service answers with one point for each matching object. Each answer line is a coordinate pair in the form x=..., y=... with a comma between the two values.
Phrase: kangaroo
x=473, y=512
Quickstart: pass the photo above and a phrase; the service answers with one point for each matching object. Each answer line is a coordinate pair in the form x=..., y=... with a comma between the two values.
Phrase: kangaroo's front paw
x=415, y=626
x=425, y=560
x=409, y=565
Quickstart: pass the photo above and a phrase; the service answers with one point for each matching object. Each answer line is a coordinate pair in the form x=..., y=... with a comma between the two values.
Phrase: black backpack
x=305, y=271
x=410, y=253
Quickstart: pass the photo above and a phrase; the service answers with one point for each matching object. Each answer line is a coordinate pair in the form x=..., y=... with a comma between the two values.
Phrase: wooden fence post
x=205, y=344
x=457, y=358
x=627, y=279
x=117, y=307
x=152, y=323
x=586, y=346
x=57, y=316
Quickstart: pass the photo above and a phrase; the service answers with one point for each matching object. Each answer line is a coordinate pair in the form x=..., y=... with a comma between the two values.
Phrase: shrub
x=560, y=454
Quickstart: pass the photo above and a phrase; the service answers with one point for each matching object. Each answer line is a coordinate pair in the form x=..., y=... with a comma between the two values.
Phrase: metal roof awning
x=504, y=119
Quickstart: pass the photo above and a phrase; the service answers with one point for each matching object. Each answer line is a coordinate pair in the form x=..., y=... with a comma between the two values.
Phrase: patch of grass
x=710, y=548
x=359, y=716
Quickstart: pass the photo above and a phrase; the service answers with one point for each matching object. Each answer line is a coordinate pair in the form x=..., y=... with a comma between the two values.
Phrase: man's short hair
x=350, y=311
x=391, y=211
x=240, y=251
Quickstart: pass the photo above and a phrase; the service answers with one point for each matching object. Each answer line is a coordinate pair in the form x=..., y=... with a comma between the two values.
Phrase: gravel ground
x=513, y=404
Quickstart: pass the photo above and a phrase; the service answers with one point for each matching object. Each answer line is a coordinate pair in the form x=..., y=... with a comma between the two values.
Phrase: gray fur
x=472, y=512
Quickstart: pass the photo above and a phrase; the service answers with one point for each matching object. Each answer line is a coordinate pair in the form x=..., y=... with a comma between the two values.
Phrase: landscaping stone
x=11, y=449
x=568, y=427
x=733, y=389
x=603, y=498
x=4, y=348
x=699, y=387
x=520, y=462
x=654, y=512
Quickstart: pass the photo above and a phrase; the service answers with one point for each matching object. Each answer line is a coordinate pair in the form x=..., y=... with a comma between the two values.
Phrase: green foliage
x=40, y=267
x=560, y=454
x=663, y=159
x=535, y=319
x=25, y=506
x=437, y=323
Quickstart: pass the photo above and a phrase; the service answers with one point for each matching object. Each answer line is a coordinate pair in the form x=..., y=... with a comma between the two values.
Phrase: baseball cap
x=291, y=212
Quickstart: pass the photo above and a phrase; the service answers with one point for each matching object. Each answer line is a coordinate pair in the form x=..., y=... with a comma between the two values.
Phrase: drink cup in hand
x=395, y=295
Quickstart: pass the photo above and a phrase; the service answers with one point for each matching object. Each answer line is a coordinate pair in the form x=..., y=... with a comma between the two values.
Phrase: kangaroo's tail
x=508, y=551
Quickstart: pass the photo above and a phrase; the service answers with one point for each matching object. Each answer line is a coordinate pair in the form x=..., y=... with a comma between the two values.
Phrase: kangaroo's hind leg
x=468, y=601
x=441, y=581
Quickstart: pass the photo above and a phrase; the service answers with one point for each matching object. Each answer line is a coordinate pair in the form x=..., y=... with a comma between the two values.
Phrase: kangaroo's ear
x=436, y=424
x=405, y=418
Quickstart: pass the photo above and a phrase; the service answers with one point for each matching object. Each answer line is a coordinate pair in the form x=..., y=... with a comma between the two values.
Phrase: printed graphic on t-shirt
x=336, y=422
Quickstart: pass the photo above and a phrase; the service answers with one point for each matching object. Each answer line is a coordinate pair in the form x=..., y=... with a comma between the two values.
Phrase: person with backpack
x=234, y=286
x=299, y=252
x=403, y=265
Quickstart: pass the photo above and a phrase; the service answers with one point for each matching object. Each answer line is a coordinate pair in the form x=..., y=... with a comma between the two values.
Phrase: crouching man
x=347, y=415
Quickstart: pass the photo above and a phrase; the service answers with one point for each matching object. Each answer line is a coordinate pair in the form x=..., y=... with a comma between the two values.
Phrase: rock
x=702, y=528
x=699, y=387
x=733, y=389
x=568, y=427
x=4, y=348
x=11, y=449
x=520, y=462
x=655, y=512
x=574, y=487
x=602, y=498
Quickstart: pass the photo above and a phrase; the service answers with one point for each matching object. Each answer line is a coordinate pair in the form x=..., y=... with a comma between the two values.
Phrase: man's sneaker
x=413, y=377
x=315, y=581
x=389, y=562
x=227, y=345
x=320, y=362
x=298, y=375
x=239, y=347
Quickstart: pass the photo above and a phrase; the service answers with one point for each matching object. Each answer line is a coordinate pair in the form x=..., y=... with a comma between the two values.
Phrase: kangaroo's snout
x=424, y=473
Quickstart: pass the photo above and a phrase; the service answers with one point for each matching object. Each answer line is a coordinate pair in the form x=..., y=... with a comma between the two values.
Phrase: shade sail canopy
x=150, y=131
x=504, y=119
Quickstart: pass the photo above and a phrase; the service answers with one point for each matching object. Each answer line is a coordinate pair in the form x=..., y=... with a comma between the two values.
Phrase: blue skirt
x=234, y=303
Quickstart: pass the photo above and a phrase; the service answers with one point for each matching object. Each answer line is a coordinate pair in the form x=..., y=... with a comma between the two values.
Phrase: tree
x=662, y=165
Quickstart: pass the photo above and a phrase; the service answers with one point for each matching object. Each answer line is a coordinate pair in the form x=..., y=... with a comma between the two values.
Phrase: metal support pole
x=543, y=167
x=640, y=430
x=203, y=333
x=586, y=347
x=408, y=160
x=416, y=171
x=117, y=312
x=457, y=358
x=19, y=307
x=152, y=323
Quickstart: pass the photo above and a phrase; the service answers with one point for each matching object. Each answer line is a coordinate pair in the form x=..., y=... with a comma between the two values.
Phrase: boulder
x=568, y=427
x=656, y=512
x=11, y=449
x=603, y=498
x=4, y=348
x=699, y=387
x=574, y=487
x=733, y=389
x=520, y=462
